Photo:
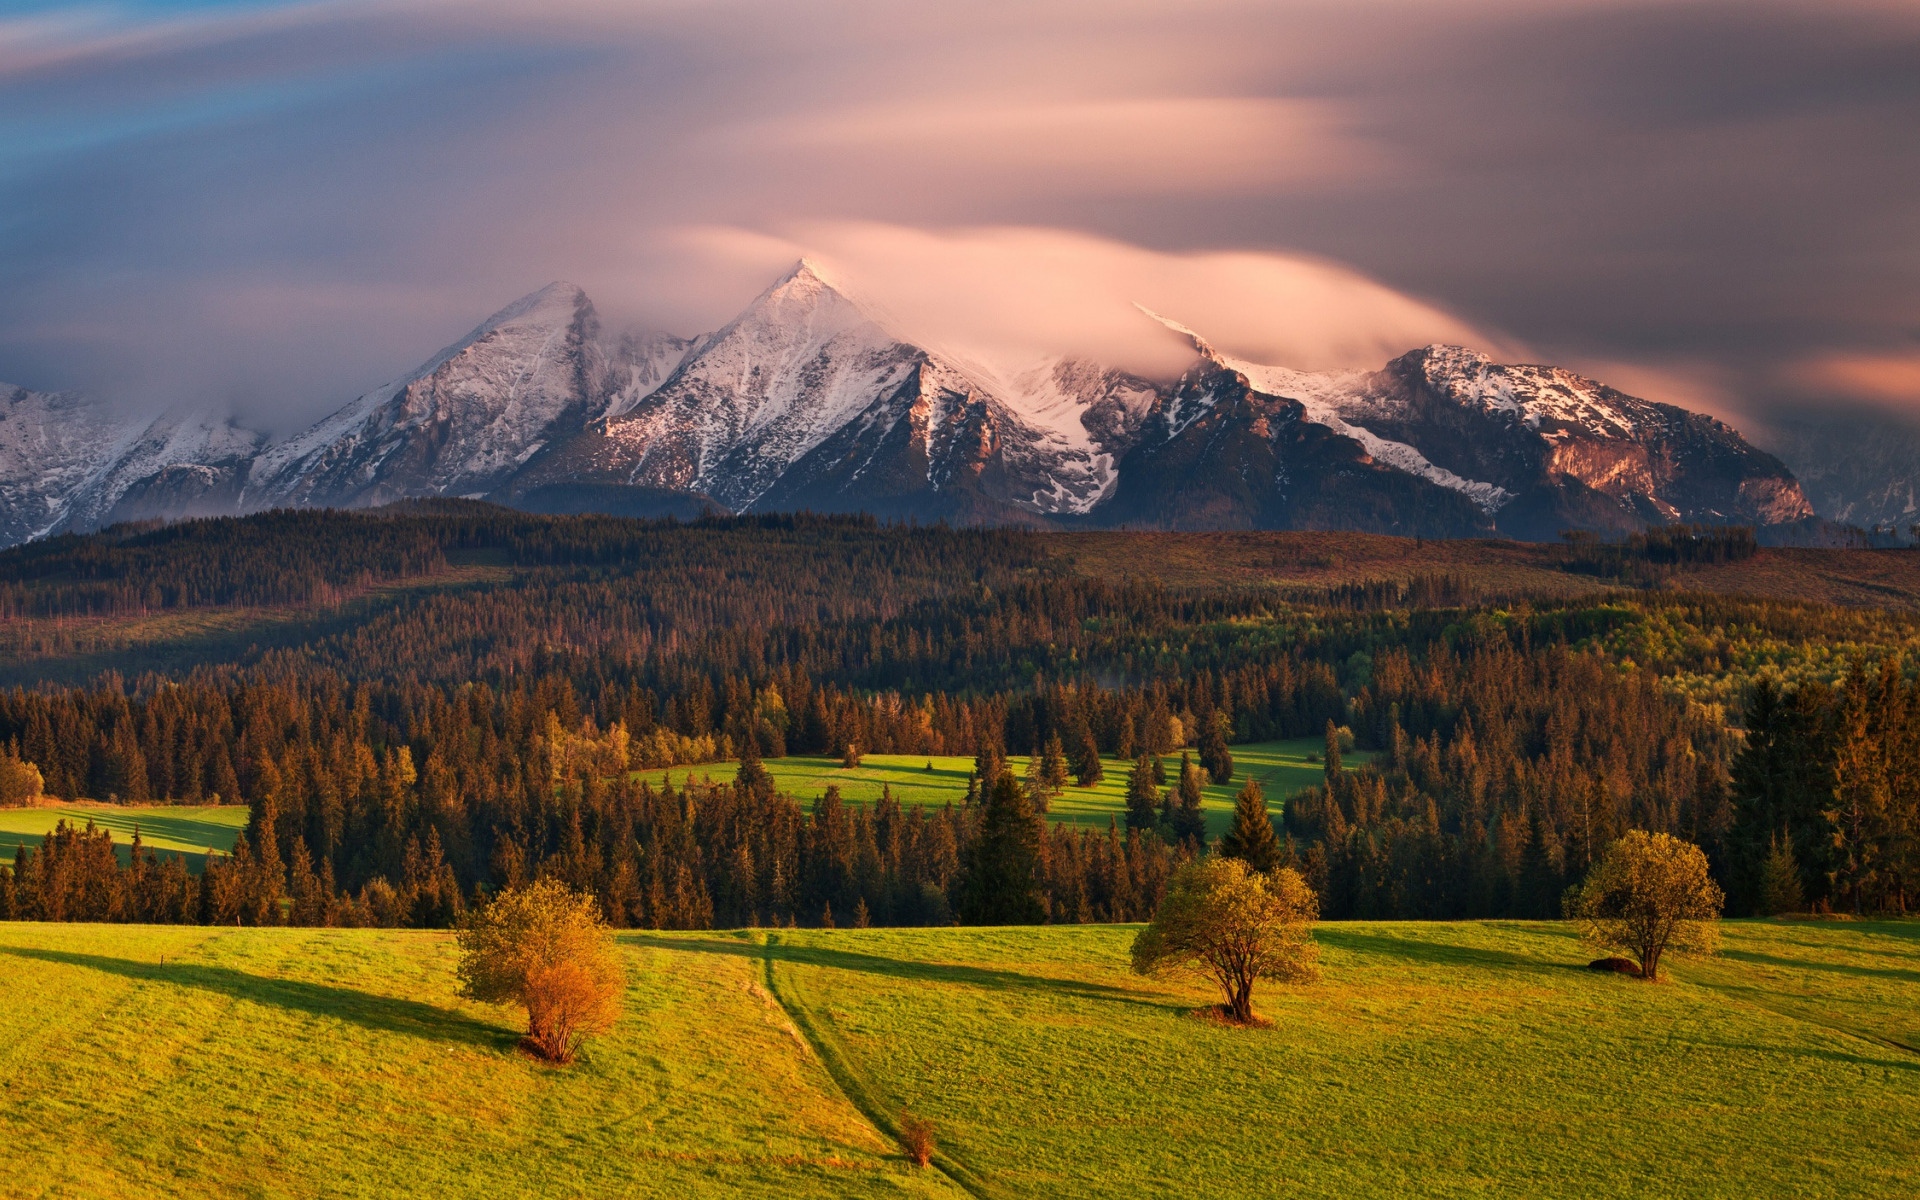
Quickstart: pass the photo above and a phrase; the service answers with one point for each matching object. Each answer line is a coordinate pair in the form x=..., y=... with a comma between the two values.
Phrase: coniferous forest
x=425, y=703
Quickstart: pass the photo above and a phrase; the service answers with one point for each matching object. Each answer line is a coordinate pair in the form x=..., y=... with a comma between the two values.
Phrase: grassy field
x=1442, y=1059
x=169, y=828
x=1282, y=768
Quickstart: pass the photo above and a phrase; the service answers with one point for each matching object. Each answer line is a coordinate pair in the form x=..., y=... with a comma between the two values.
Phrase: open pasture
x=1432, y=1059
x=1282, y=767
x=188, y=830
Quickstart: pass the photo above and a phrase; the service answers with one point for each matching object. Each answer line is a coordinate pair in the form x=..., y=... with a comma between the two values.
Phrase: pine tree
x=1540, y=884
x=1189, y=818
x=1143, y=798
x=1003, y=880
x=860, y=918
x=753, y=775
x=1780, y=879
x=1053, y=767
x=1251, y=837
x=1214, y=755
x=1086, y=768
x=1332, y=757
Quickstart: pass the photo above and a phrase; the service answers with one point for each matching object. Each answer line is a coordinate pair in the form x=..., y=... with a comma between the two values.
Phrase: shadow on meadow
x=1813, y=964
x=1561, y=953
x=897, y=968
x=385, y=1014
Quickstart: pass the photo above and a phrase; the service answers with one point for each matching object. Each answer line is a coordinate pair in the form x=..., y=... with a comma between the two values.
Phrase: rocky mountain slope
x=810, y=399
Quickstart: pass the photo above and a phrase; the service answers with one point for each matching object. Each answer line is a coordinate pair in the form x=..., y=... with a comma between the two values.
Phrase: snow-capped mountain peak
x=813, y=397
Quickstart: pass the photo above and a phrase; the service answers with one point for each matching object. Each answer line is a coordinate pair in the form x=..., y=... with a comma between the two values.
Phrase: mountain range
x=811, y=400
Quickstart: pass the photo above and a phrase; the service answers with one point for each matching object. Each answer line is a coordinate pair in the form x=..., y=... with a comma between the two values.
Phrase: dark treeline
x=1505, y=773
x=703, y=855
x=1830, y=779
x=459, y=739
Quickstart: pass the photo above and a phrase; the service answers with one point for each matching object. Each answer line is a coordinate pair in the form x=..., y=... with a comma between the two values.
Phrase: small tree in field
x=1649, y=894
x=1235, y=926
x=545, y=948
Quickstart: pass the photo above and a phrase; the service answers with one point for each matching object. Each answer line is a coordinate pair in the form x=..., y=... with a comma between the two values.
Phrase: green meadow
x=1432, y=1059
x=189, y=830
x=1282, y=769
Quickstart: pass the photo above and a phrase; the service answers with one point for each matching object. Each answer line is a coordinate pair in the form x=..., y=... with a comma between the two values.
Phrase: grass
x=190, y=830
x=1282, y=768
x=1433, y=1059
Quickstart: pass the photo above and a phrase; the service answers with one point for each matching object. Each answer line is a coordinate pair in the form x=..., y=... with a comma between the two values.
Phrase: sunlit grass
x=210, y=1063
x=1432, y=1059
x=1282, y=768
x=185, y=829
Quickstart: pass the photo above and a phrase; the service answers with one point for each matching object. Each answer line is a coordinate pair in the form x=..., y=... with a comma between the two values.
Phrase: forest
x=458, y=697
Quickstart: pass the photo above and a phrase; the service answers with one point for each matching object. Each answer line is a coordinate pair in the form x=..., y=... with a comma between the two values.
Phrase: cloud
x=285, y=203
x=1006, y=296
x=1157, y=144
x=1888, y=379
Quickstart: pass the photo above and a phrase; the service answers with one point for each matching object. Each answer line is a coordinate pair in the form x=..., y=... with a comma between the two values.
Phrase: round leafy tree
x=1233, y=925
x=545, y=948
x=1650, y=894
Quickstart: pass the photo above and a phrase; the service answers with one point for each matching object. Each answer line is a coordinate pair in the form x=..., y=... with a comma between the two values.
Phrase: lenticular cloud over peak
x=1005, y=297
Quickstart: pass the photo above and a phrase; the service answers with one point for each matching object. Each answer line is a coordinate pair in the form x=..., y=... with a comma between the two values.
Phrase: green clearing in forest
x=1282, y=768
x=1434, y=1059
x=190, y=830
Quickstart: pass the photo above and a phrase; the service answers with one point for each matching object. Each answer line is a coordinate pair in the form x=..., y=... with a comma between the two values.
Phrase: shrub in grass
x=545, y=948
x=1235, y=926
x=1650, y=894
x=916, y=1138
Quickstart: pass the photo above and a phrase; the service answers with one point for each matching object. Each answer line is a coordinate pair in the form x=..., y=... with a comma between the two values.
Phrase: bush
x=1233, y=925
x=1648, y=895
x=916, y=1138
x=544, y=947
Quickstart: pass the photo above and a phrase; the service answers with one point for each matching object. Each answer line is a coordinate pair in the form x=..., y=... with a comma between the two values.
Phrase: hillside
x=1432, y=1059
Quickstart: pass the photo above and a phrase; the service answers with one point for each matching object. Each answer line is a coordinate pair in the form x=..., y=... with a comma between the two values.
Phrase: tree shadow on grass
x=1375, y=942
x=384, y=1014
x=900, y=968
x=1808, y=964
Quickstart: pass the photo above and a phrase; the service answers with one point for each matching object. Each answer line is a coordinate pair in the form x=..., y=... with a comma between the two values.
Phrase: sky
x=267, y=208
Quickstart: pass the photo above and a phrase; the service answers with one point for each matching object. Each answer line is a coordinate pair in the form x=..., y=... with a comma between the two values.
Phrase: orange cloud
x=1886, y=378
x=1003, y=297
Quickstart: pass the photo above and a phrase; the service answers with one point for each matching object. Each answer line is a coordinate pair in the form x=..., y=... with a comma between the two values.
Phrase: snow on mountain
x=53, y=446
x=463, y=423
x=202, y=460
x=806, y=361
x=814, y=398
x=775, y=382
x=1576, y=449
x=642, y=362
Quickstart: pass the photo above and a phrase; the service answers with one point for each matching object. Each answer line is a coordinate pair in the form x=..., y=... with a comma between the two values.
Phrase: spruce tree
x=1251, y=838
x=1214, y=755
x=1189, y=819
x=1332, y=757
x=753, y=775
x=1143, y=798
x=1053, y=767
x=1002, y=884
x=1780, y=879
x=1086, y=768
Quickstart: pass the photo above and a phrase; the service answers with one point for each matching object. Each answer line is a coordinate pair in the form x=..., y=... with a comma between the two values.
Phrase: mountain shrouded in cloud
x=259, y=207
x=816, y=396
